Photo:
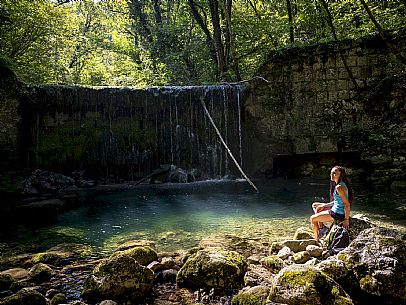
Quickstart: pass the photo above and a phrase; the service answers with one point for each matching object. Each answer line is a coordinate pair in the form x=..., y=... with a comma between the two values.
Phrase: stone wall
x=311, y=110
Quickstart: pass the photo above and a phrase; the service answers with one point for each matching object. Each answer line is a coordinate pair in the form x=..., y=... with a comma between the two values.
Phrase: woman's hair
x=343, y=178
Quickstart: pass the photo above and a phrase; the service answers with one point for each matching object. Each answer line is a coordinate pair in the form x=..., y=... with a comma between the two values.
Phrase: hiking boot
x=322, y=231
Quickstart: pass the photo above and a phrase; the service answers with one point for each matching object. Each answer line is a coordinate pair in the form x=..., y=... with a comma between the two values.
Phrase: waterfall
x=125, y=133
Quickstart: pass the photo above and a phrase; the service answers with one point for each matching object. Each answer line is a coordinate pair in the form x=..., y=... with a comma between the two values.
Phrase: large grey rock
x=213, y=268
x=300, y=284
x=377, y=262
x=143, y=255
x=120, y=278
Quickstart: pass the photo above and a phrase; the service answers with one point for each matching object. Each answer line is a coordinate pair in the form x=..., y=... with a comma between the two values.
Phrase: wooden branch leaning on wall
x=225, y=145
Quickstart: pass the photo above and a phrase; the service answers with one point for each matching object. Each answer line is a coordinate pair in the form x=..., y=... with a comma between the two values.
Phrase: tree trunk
x=232, y=43
x=333, y=31
x=215, y=18
x=206, y=31
x=140, y=18
x=383, y=35
x=292, y=37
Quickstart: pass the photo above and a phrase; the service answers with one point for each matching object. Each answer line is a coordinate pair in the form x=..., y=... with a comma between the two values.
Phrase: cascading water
x=125, y=133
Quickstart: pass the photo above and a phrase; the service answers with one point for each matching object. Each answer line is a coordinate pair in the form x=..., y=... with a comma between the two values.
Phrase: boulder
x=314, y=251
x=273, y=263
x=300, y=284
x=258, y=275
x=119, y=278
x=377, y=263
x=143, y=255
x=58, y=298
x=40, y=273
x=358, y=223
x=212, y=268
x=251, y=296
x=301, y=257
x=16, y=273
x=334, y=268
x=303, y=233
x=284, y=253
x=25, y=297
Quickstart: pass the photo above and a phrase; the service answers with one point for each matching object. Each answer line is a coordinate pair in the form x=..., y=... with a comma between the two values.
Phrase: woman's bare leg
x=317, y=208
x=323, y=216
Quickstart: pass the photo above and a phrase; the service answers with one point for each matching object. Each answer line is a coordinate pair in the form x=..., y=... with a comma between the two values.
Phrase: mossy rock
x=58, y=298
x=25, y=297
x=299, y=284
x=251, y=296
x=334, y=268
x=143, y=255
x=50, y=258
x=303, y=233
x=136, y=243
x=301, y=257
x=40, y=273
x=214, y=268
x=119, y=278
x=273, y=263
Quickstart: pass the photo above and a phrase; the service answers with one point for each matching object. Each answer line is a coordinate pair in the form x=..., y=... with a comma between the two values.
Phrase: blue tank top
x=338, y=204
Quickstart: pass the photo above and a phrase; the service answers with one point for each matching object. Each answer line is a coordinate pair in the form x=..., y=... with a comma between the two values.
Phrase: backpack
x=338, y=239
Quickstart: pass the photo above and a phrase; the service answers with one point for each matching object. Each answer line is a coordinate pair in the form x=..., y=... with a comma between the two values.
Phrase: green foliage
x=144, y=43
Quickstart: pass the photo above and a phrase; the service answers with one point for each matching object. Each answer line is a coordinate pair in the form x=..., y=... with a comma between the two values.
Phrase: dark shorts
x=336, y=216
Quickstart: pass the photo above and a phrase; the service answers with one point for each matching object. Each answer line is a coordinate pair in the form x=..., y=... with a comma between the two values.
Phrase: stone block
x=343, y=94
x=321, y=97
x=351, y=61
x=331, y=74
x=332, y=96
x=342, y=84
x=362, y=61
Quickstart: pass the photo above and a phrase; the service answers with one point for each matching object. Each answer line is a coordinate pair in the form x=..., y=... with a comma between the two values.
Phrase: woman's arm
x=342, y=191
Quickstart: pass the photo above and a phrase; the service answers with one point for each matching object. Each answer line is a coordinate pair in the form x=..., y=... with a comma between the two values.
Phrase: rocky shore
x=227, y=270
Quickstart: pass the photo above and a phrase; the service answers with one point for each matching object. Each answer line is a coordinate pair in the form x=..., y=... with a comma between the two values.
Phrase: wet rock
x=136, y=243
x=58, y=298
x=303, y=233
x=25, y=297
x=143, y=255
x=212, y=268
x=273, y=263
x=258, y=275
x=108, y=302
x=51, y=258
x=377, y=262
x=44, y=181
x=249, y=296
x=167, y=276
x=300, y=284
x=120, y=278
x=40, y=273
x=50, y=293
x=244, y=246
x=17, y=273
x=5, y=281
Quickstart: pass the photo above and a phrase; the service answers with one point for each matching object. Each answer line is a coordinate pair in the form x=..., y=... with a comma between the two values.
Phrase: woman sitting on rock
x=338, y=209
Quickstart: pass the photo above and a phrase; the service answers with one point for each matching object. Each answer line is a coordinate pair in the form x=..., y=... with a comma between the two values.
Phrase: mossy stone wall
x=310, y=106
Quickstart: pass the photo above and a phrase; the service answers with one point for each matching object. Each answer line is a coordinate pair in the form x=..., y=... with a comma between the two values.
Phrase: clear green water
x=177, y=216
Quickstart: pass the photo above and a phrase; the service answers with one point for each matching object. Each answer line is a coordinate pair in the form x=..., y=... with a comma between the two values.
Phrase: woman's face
x=335, y=174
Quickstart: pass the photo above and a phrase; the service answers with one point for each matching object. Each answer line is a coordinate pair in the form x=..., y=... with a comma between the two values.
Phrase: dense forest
x=173, y=42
